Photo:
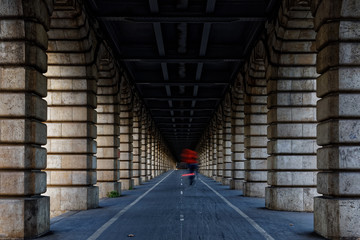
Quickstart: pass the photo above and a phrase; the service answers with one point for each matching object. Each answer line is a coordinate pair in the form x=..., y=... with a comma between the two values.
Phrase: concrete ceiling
x=182, y=55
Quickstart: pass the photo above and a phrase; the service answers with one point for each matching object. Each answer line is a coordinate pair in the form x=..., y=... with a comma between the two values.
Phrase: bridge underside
x=97, y=97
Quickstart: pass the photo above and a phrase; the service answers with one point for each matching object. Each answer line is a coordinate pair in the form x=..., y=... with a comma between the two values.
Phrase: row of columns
x=72, y=127
x=294, y=118
x=94, y=131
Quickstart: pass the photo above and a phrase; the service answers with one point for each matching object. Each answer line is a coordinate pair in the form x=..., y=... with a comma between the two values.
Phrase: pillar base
x=24, y=217
x=136, y=181
x=107, y=187
x=254, y=189
x=290, y=199
x=127, y=184
x=65, y=199
x=226, y=181
x=236, y=184
x=336, y=218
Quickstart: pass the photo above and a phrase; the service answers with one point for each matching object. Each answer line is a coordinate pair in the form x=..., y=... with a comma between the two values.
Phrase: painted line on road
x=247, y=218
x=116, y=217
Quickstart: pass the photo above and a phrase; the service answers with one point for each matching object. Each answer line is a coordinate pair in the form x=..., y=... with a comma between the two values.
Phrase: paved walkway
x=168, y=208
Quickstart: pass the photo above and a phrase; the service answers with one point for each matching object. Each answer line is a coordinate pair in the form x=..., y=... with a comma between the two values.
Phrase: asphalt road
x=168, y=208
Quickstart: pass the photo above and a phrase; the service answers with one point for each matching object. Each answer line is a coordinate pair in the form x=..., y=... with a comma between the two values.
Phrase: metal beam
x=182, y=19
x=181, y=124
x=183, y=60
x=183, y=83
x=182, y=98
x=162, y=117
x=181, y=109
x=181, y=128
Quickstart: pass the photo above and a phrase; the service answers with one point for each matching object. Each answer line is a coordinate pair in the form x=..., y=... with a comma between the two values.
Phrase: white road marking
x=247, y=218
x=181, y=192
x=116, y=217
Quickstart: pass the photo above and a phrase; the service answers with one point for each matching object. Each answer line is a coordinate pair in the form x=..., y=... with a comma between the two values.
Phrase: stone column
x=152, y=154
x=207, y=154
x=220, y=147
x=24, y=212
x=143, y=148
x=237, y=137
x=107, y=128
x=157, y=155
x=126, y=137
x=148, y=152
x=161, y=152
x=292, y=110
x=211, y=154
x=227, y=162
x=71, y=146
x=136, y=171
x=336, y=213
x=214, y=147
x=255, y=131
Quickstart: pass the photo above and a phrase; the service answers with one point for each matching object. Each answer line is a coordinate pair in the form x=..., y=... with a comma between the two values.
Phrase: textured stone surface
x=292, y=112
x=126, y=139
x=338, y=129
x=336, y=218
x=71, y=115
x=290, y=199
x=72, y=198
x=13, y=211
x=24, y=213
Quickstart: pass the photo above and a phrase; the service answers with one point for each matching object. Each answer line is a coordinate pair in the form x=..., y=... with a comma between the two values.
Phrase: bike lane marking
x=247, y=218
x=106, y=225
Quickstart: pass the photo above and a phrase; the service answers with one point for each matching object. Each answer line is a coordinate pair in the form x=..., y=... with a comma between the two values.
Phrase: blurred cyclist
x=190, y=157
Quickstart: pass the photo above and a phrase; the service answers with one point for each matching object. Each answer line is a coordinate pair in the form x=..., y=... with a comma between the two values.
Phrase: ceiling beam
x=183, y=83
x=181, y=128
x=183, y=60
x=181, y=109
x=182, y=98
x=199, y=117
x=182, y=124
x=182, y=19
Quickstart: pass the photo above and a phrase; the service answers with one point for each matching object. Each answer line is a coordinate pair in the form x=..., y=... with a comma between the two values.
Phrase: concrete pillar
x=201, y=150
x=24, y=212
x=107, y=127
x=237, y=136
x=136, y=143
x=336, y=212
x=211, y=153
x=161, y=152
x=148, y=151
x=220, y=147
x=126, y=136
x=71, y=146
x=208, y=155
x=143, y=147
x=157, y=154
x=292, y=110
x=214, y=147
x=152, y=153
x=227, y=162
x=255, y=130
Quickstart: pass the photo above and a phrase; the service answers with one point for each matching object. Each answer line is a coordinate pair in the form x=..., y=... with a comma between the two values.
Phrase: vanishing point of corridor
x=99, y=97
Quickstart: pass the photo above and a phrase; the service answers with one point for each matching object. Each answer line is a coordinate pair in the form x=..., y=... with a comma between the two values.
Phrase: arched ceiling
x=182, y=55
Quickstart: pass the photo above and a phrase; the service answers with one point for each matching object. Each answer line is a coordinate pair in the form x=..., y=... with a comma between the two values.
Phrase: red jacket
x=189, y=156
